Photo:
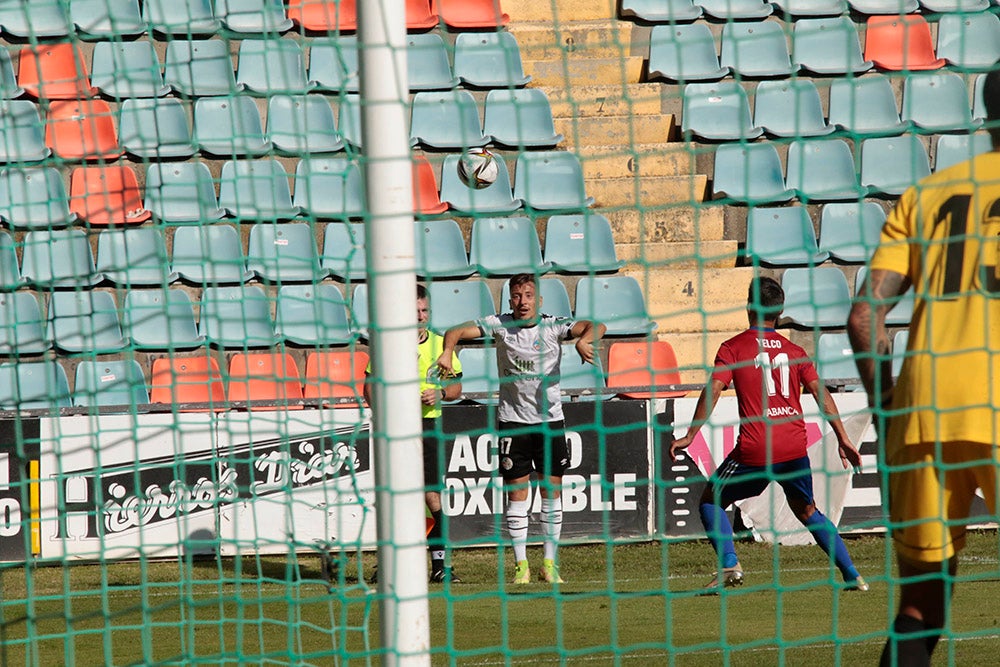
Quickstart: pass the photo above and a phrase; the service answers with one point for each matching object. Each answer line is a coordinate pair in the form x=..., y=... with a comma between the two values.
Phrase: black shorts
x=533, y=447
x=433, y=453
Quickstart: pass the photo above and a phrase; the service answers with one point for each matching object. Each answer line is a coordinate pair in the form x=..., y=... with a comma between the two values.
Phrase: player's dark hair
x=421, y=291
x=991, y=97
x=522, y=279
x=765, y=299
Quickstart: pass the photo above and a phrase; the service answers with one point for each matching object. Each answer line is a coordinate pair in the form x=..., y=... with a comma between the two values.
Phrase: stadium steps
x=604, y=100
x=646, y=192
x=642, y=161
x=560, y=12
x=626, y=129
x=696, y=298
x=666, y=225
x=696, y=352
x=598, y=38
x=677, y=254
x=576, y=71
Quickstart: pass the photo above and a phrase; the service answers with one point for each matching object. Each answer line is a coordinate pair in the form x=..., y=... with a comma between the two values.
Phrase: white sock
x=552, y=517
x=517, y=526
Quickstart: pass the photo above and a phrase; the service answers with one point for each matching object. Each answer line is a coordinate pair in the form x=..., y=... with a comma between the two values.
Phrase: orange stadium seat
x=647, y=363
x=54, y=72
x=265, y=376
x=107, y=195
x=464, y=14
x=421, y=14
x=180, y=380
x=896, y=42
x=426, y=199
x=82, y=130
x=336, y=375
x=325, y=15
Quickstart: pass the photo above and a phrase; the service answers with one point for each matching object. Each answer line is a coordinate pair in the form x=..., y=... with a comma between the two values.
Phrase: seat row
x=664, y=11
x=231, y=126
x=240, y=316
x=825, y=169
x=204, y=68
x=819, y=297
x=931, y=103
x=835, y=357
x=823, y=46
x=325, y=188
x=785, y=236
x=97, y=19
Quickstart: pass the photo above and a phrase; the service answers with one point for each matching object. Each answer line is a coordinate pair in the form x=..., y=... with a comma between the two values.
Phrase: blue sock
x=720, y=532
x=829, y=540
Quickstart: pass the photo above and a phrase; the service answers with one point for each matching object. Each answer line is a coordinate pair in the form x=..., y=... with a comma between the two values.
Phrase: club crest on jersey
x=506, y=463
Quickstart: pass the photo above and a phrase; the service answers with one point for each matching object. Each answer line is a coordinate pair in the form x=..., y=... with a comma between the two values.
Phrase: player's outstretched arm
x=452, y=337
x=849, y=454
x=587, y=334
x=702, y=411
x=868, y=334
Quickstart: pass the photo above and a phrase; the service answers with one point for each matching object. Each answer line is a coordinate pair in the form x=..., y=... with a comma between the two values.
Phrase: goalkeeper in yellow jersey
x=942, y=415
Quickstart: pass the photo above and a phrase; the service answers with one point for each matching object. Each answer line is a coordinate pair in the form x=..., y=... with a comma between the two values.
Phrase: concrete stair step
x=559, y=11
x=604, y=100
x=646, y=192
x=626, y=130
x=601, y=38
x=677, y=254
x=667, y=224
x=584, y=71
x=697, y=298
x=696, y=352
x=643, y=160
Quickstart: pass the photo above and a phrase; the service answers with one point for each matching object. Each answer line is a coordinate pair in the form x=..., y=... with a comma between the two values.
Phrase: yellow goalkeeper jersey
x=944, y=234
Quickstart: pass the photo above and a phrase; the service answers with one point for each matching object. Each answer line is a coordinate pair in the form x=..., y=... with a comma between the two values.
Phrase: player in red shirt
x=768, y=372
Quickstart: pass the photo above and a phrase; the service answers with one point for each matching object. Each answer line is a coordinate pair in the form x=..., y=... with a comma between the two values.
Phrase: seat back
x=427, y=63
x=901, y=42
x=127, y=69
x=889, y=165
x=53, y=71
x=107, y=195
x=822, y=170
x=495, y=198
x=22, y=329
x=505, y=246
x=750, y=173
x=182, y=380
x=302, y=124
x=110, y=383
x=330, y=187
x=644, y=364
x=191, y=17
x=466, y=14
x=34, y=198
x=453, y=303
x=256, y=189
x=265, y=376
x=782, y=236
x=108, y=19
x=182, y=192
x=236, y=317
x=313, y=315
x=334, y=64
x=426, y=200
x=22, y=135
x=580, y=243
x=160, y=319
x=550, y=180
x=718, y=111
x=446, y=120
x=344, y=251
x=82, y=130
x=969, y=41
x=269, y=66
x=229, y=126
x=440, y=250
x=199, y=68
x=616, y=302
x=520, y=119
x=865, y=105
x=284, y=252
x=684, y=53
x=37, y=385
x=336, y=374
x=253, y=16
x=58, y=258
x=936, y=102
x=84, y=322
x=755, y=48
x=828, y=46
x=489, y=60
x=790, y=108
x=324, y=15
x=155, y=128
x=134, y=256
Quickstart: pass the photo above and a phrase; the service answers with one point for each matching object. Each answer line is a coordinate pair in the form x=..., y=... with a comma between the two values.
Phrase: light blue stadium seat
x=553, y=294
x=899, y=344
x=284, y=253
x=330, y=188
x=155, y=128
x=160, y=319
x=84, y=321
x=737, y=9
x=969, y=41
x=37, y=385
x=520, y=119
x=446, y=120
x=134, y=256
x=34, y=198
x=334, y=64
x=496, y=198
x=782, y=236
x=583, y=380
x=201, y=68
x=10, y=271
x=182, y=192
x=750, y=173
x=39, y=18
x=755, y=49
x=359, y=310
x=22, y=134
x=816, y=297
x=550, y=181
x=110, y=383
x=229, y=126
x=58, y=258
x=835, y=358
x=302, y=124
x=901, y=312
x=942, y=6
x=209, y=255
x=236, y=317
x=790, y=108
x=581, y=243
x=850, y=231
x=505, y=247
x=955, y=148
x=22, y=329
x=658, y=11
x=127, y=69
x=489, y=60
x=881, y=7
x=106, y=19
x=344, y=251
x=822, y=170
x=440, y=250
x=828, y=45
x=313, y=315
x=349, y=120
x=616, y=302
x=684, y=53
x=257, y=190
x=454, y=303
x=811, y=7
x=427, y=63
x=889, y=165
x=253, y=16
x=936, y=102
x=865, y=105
x=8, y=82
x=480, y=374
x=191, y=17
x=269, y=66
x=717, y=111
x=978, y=103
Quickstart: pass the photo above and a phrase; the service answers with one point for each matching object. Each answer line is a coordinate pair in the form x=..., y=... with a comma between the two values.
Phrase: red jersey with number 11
x=768, y=372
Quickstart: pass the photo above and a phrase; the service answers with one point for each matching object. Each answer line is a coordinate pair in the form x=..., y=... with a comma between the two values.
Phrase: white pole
x=402, y=580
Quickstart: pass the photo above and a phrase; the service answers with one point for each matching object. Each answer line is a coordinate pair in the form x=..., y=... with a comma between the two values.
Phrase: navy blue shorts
x=734, y=481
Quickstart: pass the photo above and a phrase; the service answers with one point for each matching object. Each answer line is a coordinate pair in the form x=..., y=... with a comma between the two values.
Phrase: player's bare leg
x=924, y=594
x=828, y=539
x=518, y=506
x=552, y=518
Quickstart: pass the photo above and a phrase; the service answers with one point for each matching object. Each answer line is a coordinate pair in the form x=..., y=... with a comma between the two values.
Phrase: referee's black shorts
x=433, y=454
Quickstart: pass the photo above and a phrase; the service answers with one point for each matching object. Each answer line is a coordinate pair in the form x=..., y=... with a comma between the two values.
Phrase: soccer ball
x=477, y=168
